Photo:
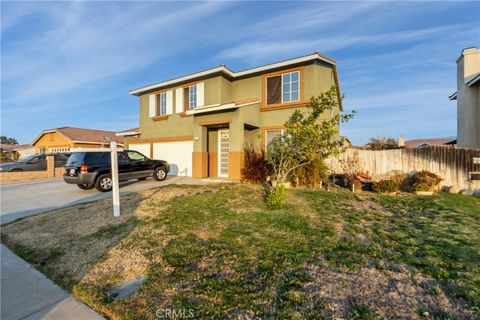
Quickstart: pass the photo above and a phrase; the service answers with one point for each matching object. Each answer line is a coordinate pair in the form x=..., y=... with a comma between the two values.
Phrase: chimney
x=401, y=141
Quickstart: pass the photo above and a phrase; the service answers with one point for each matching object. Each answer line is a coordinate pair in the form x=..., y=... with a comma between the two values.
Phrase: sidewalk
x=28, y=294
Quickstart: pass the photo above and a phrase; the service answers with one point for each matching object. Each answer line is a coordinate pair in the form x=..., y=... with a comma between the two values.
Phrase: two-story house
x=468, y=98
x=201, y=122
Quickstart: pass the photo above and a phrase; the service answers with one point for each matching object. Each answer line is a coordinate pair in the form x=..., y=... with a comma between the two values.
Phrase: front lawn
x=218, y=251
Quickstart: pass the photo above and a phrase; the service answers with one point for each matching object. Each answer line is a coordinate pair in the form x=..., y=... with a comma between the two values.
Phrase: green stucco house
x=201, y=122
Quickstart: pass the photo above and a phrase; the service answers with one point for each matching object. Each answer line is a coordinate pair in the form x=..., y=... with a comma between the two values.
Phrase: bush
x=423, y=181
x=256, y=169
x=275, y=196
x=387, y=185
x=311, y=175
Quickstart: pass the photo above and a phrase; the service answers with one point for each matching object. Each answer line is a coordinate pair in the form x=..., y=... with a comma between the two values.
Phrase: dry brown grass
x=390, y=294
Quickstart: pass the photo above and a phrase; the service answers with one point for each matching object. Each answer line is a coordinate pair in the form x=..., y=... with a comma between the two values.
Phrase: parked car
x=90, y=170
x=36, y=162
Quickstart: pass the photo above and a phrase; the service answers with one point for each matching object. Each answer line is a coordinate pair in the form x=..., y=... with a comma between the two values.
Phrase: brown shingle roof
x=84, y=135
x=431, y=142
x=88, y=135
x=14, y=147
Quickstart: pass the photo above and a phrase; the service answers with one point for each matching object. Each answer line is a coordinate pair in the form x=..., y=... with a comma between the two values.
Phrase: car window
x=135, y=156
x=37, y=159
x=75, y=159
x=122, y=157
x=96, y=157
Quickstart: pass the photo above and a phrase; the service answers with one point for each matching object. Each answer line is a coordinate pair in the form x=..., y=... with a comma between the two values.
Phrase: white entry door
x=223, y=149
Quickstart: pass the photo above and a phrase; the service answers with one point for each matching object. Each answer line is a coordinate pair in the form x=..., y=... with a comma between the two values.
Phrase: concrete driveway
x=23, y=199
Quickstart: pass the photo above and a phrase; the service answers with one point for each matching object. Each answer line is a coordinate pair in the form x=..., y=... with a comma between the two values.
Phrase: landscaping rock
x=126, y=289
x=467, y=192
x=450, y=189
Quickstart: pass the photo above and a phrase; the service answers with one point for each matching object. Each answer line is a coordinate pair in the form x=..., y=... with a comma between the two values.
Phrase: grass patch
x=219, y=252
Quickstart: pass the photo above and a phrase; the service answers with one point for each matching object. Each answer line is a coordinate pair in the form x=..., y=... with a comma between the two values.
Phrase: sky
x=72, y=63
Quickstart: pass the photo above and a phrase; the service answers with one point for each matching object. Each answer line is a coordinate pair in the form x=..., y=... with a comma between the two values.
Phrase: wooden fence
x=454, y=165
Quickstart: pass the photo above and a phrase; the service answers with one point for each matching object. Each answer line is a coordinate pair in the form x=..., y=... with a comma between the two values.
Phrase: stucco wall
x=468, y=100
x=51, y=140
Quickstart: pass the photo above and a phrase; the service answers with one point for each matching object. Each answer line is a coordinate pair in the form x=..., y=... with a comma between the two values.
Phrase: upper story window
x=192, y=97
x=162, y=103
x=283, y=88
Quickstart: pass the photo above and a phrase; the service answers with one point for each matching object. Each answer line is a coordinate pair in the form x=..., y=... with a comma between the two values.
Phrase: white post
x=115, y=188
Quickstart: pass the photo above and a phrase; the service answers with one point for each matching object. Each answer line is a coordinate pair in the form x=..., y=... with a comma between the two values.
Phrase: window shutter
x=151, y=106
x=169, y=102
x=179, y=100
x=200, y=94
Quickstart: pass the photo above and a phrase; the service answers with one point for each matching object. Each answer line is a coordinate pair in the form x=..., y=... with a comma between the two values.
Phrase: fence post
x=50, y=167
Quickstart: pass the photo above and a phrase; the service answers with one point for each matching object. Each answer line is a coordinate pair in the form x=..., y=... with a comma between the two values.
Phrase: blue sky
x=72, y=63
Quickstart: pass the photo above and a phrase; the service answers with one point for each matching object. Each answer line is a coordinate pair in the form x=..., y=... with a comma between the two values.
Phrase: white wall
x=178, y=154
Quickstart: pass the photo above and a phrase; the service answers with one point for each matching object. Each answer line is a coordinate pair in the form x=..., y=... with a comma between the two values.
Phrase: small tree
x=305, y=138
x=7, y=140
x=382, y=143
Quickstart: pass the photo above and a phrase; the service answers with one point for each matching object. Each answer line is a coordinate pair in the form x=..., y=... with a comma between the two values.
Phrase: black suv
x=93, y=169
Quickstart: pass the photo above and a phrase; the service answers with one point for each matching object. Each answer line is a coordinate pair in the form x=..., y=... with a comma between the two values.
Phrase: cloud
x=263, y=49
x=81, y=46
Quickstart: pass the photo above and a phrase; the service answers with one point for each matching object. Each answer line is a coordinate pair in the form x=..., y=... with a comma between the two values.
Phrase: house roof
x=129, y=132
x=453, y=96
x=81, y=135
x=14, y=147
x=223, y=69
x=415, y=143
x=473, y=79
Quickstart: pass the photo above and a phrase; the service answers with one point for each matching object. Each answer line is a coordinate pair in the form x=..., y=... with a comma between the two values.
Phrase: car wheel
x=160, y=174
x=104, y=183
x=85, y=186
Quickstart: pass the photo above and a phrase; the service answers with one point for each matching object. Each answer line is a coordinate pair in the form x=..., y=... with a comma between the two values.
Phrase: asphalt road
x=23, y=199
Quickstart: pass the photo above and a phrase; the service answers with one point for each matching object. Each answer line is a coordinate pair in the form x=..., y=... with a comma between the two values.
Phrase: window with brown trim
x=270, y=135
x=283, y=88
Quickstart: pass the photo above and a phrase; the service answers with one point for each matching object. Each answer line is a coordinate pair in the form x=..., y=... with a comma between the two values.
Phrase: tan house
x=468, y=98
x=200, y=123
x=62, y=139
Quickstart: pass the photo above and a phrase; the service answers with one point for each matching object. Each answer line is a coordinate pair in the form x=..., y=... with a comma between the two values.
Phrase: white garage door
x=143, y=148
x=178, y=154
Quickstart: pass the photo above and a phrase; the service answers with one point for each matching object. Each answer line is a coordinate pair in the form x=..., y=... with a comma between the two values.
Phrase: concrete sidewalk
x=28, y=294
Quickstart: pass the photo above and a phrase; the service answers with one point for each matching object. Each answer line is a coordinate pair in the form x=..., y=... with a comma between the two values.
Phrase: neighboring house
x=16, y=151
x=200, y=123
x=422, y=143
x=62, y=139
x=468, y=98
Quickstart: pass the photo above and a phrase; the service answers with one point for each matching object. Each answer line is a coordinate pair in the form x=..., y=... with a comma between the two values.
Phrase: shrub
x=256, y=169
x=275, y=196
x=387, y=185
x=423, y=181
x=311, y=175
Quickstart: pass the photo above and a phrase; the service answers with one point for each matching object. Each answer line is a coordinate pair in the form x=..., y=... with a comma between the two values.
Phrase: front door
x=223, y=149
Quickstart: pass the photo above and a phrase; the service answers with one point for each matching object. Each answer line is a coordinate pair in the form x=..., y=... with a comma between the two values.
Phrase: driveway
x=29, y=198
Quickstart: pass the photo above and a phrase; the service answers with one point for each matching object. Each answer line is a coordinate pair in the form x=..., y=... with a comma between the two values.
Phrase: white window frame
x=192, y=103
x=162, y=100
x=290, y=93
x=266, y=135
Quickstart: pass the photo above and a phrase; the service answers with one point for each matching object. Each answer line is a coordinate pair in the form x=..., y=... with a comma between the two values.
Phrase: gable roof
x=14, y=147
x=415, y=143
x=231, y=74
x=82, y=135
